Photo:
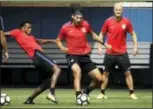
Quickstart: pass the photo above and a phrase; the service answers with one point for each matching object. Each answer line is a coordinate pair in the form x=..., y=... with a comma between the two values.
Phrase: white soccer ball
x=5, y=99
x=83, y=99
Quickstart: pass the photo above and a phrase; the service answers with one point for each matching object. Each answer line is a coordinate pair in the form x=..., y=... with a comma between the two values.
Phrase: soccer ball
x=5, y=99
x=82, y=99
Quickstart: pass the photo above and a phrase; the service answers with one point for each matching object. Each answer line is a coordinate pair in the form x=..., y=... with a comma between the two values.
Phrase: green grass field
x=66, y=97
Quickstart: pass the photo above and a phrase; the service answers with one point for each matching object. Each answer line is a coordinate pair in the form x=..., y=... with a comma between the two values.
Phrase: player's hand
x=108, y=46
x=64, y=49
x=135, y=51
x=6, y=57
x=100, y=50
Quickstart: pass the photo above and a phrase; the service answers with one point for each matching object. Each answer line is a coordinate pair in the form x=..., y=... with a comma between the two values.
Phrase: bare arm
x=135, y=43
x=7, y=33
x=134, y=38
x=61, y=46
x=45, y=41
x=3, y=42
x=100, y=40
x=101, y=36
x=4, y=45
x=96, y=38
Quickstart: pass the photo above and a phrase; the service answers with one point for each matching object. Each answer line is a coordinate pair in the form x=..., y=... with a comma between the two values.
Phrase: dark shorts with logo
x=83, y=61
x=122, y=61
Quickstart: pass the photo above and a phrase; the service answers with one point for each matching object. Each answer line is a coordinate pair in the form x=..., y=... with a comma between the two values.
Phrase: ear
x=72, y=16
x=22, y=27
x=114, y=10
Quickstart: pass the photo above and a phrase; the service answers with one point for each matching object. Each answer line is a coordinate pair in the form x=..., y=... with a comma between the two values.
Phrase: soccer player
x=116, y=28
x=42, y=62
x=3, y=44
x=78, y=49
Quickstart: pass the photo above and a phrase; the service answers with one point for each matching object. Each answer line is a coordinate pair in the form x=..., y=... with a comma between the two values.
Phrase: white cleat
x=101, y=96
x=133, y=96
x=52, y=98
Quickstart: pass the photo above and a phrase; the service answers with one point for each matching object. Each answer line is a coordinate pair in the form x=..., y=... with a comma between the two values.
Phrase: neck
x=74, y=24
x=118, y=18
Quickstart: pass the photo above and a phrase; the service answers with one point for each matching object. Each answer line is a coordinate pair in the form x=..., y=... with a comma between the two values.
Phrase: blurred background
x=47, y=19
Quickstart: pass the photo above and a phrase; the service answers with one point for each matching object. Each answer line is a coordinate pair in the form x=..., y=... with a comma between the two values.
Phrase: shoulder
x=126, y=20
x=16, y=30
x=109, y=19
x=85, y=23
x=33, y=37
x=67, y=24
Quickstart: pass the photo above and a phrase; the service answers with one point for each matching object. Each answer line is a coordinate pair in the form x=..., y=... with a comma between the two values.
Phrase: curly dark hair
x=76, y=8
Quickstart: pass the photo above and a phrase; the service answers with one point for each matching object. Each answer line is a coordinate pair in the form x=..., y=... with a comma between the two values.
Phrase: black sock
x=52, y=91
x=88, y=90
x=131, y=91
x=45, y=85
x=77, y=93
x=103, y=91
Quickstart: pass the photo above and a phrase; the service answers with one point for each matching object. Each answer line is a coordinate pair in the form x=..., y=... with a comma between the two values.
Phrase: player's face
x=27, y=28
x=77, y=19
x=118, y=11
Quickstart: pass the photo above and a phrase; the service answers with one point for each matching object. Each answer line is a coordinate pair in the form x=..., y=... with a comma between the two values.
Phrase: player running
x=42, y=62
x=78, y=49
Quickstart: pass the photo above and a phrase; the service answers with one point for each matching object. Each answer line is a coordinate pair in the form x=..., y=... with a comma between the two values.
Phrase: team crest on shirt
x=123, y=26
x=84, y=29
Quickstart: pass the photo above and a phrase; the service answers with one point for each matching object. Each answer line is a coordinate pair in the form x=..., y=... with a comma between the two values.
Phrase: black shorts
x=43, y=62
x=83, y=61
x=122, y=61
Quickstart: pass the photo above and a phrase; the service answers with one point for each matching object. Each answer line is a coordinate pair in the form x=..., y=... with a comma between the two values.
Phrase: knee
x=99, y=80
x=105, y=74
x=76, y=73
x=57, y=69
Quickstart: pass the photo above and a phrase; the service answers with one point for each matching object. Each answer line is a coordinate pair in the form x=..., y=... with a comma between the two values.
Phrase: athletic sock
x=103, y=91
x=131, y=91
x=52, y=91
x=77, y=93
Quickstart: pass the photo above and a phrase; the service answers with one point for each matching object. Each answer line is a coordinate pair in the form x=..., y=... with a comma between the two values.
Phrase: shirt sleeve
x=1, y=24
x=104, y=28
x=61, y=34
x=129, y=27
x=89, y=28
x=13, y=33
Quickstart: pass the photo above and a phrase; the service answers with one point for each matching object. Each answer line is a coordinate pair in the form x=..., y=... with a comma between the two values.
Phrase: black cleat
x=28, y=101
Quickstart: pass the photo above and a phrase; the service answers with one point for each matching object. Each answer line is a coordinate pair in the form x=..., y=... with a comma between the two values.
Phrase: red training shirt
x=116, y=34
x=76, y=37
x=27, y=42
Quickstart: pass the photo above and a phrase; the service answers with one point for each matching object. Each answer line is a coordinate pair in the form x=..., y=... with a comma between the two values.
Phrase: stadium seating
x=19, y=59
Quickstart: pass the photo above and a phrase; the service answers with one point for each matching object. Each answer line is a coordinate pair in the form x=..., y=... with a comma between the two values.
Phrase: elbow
x=57, y=41
x=5, y=33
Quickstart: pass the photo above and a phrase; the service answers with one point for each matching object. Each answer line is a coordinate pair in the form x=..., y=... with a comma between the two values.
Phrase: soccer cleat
x=133, y=96
x=28, y=101
x=52, y=98
x=88, y=97
x=101, y=96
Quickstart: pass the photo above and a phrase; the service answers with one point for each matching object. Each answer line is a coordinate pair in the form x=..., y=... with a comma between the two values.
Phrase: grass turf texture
x=117, y=98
